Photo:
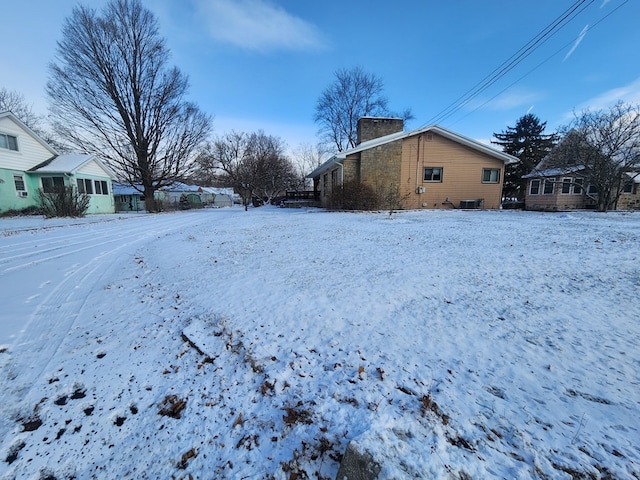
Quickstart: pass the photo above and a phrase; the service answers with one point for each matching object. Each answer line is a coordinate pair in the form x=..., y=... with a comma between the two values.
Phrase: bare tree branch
x=354, y=94
x=113, y=94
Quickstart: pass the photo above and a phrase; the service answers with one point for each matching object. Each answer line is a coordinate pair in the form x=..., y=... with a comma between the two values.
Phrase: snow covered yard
x=232, y=344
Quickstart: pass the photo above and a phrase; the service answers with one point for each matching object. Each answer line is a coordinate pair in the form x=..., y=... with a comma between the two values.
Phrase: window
x=433, y=174
x=334, y=178
x=535, y=187
x=84, y=186
x=325, y=184
x=566, y=185
x=9, y=142
x=490, y=175
x=577, y=186
x=51, y=184
x=628, y=187
x=548, y=186
x=18, y=180
x=592, y=190
x=101, y=187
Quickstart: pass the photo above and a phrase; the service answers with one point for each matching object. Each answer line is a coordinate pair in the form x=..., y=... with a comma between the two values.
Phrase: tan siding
x=553, y=201
x=462, y=173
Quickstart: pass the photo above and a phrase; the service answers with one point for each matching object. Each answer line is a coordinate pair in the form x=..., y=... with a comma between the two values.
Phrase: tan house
x=559, y=183
x=430, y=167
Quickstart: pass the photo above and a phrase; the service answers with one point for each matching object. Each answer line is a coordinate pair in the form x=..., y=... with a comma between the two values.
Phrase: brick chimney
x=375, y=127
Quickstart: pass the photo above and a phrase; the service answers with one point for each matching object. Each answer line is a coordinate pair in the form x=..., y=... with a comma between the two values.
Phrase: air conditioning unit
x=420, y=190
x=23, y=194
x=468, y=204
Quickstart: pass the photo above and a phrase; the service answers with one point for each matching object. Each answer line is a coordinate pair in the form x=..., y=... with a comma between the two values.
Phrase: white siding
x=30, y=152
x=92, y=168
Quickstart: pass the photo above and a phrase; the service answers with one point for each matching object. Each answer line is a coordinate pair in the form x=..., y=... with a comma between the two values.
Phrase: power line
x=540, y=64
x=556, y=25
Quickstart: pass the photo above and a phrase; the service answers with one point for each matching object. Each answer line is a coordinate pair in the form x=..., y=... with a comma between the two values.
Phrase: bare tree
x=307, y=158
x=354, y=94
x=14, y=102
x=607, y=144
x=112, y=93
x=254, y=164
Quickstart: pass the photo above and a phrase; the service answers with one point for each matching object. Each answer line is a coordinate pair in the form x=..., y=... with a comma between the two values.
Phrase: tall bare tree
x=254, y=164
x=607, y=144
x=113, y=93
x=354, y=94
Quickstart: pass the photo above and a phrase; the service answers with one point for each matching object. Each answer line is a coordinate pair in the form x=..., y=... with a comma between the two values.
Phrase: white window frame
x=566, y=185
x=578, y=186
x=18, y=177
x=6, y=143
x=85, y=185
x=549, y=181
x=538, y=185
x=101, y=187
x=47, y=189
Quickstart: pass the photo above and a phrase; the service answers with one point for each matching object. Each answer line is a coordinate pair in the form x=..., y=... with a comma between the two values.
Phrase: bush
x=24, y=212
x=354, y=195
x=63, y=202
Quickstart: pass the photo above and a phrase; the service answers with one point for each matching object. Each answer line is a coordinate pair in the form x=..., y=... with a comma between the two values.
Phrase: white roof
x=71, y=163
x=337, y=158
x=554, y=172
x=634, y=176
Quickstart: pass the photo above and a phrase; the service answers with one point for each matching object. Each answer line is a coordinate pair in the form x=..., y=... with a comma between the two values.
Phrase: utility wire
x=540, y=64
x=569, y=14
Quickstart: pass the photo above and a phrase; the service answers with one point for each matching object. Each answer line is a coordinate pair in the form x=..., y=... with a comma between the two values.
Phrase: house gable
x=31, y=148
x=474, y=171
x=440, y=172
x=23, y=169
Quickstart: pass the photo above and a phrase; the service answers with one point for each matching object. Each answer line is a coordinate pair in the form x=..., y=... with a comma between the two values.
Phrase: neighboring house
x=28, y=164
x=567, y=188
x=172, y=194
x=128, y=198
x=558, y=184
x=630, y=196
x=430, y=167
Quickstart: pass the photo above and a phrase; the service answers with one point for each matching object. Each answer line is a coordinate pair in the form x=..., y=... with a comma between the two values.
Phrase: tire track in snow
x=56, y=313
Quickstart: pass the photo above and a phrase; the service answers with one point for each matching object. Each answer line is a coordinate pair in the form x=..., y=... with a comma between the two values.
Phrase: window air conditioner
x=23, y=194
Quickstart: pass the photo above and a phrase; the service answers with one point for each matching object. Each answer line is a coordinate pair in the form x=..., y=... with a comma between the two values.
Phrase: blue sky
x=262, y=64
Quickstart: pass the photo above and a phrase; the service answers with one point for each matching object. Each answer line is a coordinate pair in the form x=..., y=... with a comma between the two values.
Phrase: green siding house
x=28, y=164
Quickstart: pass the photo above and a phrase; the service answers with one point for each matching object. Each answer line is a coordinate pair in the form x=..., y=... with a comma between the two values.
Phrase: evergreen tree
x=527, y=142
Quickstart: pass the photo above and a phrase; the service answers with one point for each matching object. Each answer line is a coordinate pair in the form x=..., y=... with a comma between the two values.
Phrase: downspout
x=418, y=171
x=341, y=180
x=418, y=162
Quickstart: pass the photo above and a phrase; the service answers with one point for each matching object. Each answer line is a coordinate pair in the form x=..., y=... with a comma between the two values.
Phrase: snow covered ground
x=231, y=344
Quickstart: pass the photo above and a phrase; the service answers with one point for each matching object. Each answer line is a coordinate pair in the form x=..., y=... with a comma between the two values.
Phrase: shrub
x=24, y=212
x=63, y=202
x=354, y=195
